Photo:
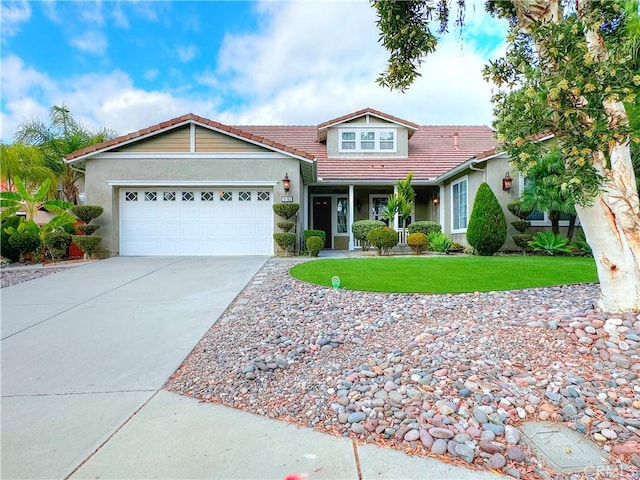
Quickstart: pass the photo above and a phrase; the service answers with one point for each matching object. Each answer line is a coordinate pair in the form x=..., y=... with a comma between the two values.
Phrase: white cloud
x=90, y=12
x=151, y=73
x=186, y=53
x=13, y=15
x=49, y=7
x=93, y=41
x=119, y=18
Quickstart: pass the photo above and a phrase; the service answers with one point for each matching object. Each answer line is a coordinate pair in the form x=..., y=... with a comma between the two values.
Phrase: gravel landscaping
x=434, y=375
x=13, y=276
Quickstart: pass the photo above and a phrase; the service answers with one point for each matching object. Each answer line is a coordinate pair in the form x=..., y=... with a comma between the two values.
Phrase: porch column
x=442, y=205
x=395, y=217
x=305, y=207
x=350, y=221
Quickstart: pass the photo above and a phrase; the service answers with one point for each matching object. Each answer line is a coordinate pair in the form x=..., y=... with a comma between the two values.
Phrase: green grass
x=447, y=274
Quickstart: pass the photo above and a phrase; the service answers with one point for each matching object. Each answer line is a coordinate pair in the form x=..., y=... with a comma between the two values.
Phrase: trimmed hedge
x=87, y=243
x=516, y=209
x=522, y=240
x=313, y=233
x=424, y=227
x=6, y=250
x=418, y=242
x=487, y=229
x=314, y=245
x=383, y=238
x=285, y=240
x=88, y=229
x=25, y=242
x=286, y=210
x=57, y=244
x=361, y=229
x=521, y=225
x=286, y=226
x=86, y=213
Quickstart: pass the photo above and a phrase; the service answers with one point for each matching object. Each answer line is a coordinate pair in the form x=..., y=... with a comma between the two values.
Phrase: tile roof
x=433, y=150
x=365, y=111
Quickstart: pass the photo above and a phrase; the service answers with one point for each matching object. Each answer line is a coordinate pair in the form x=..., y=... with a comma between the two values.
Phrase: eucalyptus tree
x=569, y=69
x=61, y=136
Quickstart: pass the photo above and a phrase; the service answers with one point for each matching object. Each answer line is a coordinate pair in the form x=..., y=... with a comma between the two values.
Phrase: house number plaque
x=287, y=199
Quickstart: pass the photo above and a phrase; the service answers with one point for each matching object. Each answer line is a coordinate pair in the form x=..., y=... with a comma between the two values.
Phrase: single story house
x=194, y=186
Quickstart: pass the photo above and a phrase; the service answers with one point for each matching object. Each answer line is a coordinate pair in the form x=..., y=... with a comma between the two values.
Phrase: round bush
x=487, y=229
x=87, y=243
x=425, y=227
x=417, y=241
x=25, y=242
x=57, y=244
x=285, y=226
x=313, y=233
x=286, y=210
x=361, y=229
x=88, y=229
x=383, y=238
x=86, y=213
x=285, y=240
x=314, y=245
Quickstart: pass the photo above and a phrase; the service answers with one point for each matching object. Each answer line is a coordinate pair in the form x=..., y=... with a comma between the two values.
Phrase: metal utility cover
x=562, y=449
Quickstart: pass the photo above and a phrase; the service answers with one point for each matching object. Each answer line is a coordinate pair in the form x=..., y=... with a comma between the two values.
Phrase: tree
x=568, y=71
x=63, y=135
x=32, y=201
x=541, y=191
x=26, y=162
x=487, y=229
x=402, y=202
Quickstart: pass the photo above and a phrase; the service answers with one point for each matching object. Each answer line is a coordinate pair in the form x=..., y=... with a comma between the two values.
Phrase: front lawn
x=447, y=274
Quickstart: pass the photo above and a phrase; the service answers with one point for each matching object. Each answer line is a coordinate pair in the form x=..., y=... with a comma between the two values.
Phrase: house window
x=367, y=140
x=131, y=196
x=169, y=196
x=244, y=196
x=150, y=196
x=342, y=215
x=264, y=196
x=187, y=196
x=539, y=218
x=226, y=196
x=459, y=205
x=378, y=204
x=206, y=196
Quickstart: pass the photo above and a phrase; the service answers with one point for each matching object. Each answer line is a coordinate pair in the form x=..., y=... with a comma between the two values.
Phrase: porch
x=333, y=209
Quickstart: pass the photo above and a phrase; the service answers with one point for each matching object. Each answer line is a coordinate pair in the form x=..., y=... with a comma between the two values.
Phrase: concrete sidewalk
x=85, y=353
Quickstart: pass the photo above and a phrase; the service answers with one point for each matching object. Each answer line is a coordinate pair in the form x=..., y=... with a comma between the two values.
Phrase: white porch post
x=395, y=217
x=351, y=206
x=442, y=205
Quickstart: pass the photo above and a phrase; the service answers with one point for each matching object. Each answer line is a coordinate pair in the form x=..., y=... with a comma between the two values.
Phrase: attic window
x=367, y=140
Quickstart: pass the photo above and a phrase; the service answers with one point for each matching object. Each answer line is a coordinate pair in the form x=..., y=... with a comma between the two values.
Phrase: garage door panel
x=184, y=221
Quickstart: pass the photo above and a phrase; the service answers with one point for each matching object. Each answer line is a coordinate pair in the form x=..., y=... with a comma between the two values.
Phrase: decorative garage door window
x=244, y=196
x=131, y=196
x=264, y=196
x=187, y=196
x=169, y=196
x=150, y=196
x=226, y=196
x=206, y=196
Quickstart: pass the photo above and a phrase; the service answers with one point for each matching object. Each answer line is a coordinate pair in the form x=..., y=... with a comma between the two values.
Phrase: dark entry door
x=322, y=217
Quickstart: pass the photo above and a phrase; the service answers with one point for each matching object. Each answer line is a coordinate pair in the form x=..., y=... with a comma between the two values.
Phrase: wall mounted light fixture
x=286, y=183
x=436, y=199
x=507, y=182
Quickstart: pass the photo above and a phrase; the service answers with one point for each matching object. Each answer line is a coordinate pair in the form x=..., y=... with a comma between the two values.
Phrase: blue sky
x=128, y=65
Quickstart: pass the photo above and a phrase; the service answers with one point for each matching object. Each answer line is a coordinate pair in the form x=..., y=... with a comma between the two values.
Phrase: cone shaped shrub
x=286, y=210
x=86, y=213
x=487, y=229
x=87, y=243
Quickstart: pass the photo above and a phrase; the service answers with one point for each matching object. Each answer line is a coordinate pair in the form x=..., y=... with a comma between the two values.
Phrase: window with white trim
x=459, y=205
x=378, y=204
x=367, y=140
x=342, y=214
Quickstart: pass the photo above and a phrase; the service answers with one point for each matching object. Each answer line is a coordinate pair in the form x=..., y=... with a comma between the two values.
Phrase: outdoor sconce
x=286, y=183
x=436, y=200
x=506, y=182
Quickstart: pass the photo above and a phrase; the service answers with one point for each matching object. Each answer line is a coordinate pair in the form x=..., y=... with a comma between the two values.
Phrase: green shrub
x=313, y=233
x=25, y=242
x=582, y=245
x=57, y=244
x=87, y=243
x=383, y=238
x=88, y=229
x=516, y=208
x=361, y=229
x=86, y=213
x=550, y=243
x=314, y=245
x=418, y=242
x=469, y=251
x=286, y=210
x=286, y=226
x=6, y=250
x=285, y=240
x=487, y=229
x=456, y=247
x=424, y=227
x=522, y=241
x=521, y=225
x=439, y=242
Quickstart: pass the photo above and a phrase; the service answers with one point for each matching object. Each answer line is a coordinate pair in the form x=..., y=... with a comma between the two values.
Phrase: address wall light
x=436, y=199
x=286, y=183
x=506, y=182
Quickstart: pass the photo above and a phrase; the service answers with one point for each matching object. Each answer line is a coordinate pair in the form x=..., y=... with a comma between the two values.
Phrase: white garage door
x=196, y=221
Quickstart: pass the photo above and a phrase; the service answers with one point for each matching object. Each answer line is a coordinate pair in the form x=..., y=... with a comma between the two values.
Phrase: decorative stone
x=497, y=461
x=511, y=434
x=439, y=447
x=516, y=454
x=465, y=452
x=437, y=432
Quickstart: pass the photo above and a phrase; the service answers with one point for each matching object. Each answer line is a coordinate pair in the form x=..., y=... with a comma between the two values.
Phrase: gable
x=208, y=141
x=172, y=141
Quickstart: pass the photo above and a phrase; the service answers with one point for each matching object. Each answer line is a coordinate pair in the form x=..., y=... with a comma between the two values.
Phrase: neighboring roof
x=183, y=120
x=433, y=150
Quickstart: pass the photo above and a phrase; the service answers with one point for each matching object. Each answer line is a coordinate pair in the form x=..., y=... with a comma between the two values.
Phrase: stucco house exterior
x=194, y=186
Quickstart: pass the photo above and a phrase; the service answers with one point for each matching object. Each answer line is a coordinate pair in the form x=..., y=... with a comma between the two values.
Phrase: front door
x=322, y=217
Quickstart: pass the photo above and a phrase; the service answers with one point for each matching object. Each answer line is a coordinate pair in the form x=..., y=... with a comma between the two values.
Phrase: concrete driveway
x=84, y=349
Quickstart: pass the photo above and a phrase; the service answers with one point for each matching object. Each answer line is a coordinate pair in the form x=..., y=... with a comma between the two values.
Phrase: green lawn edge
x=447, y=274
